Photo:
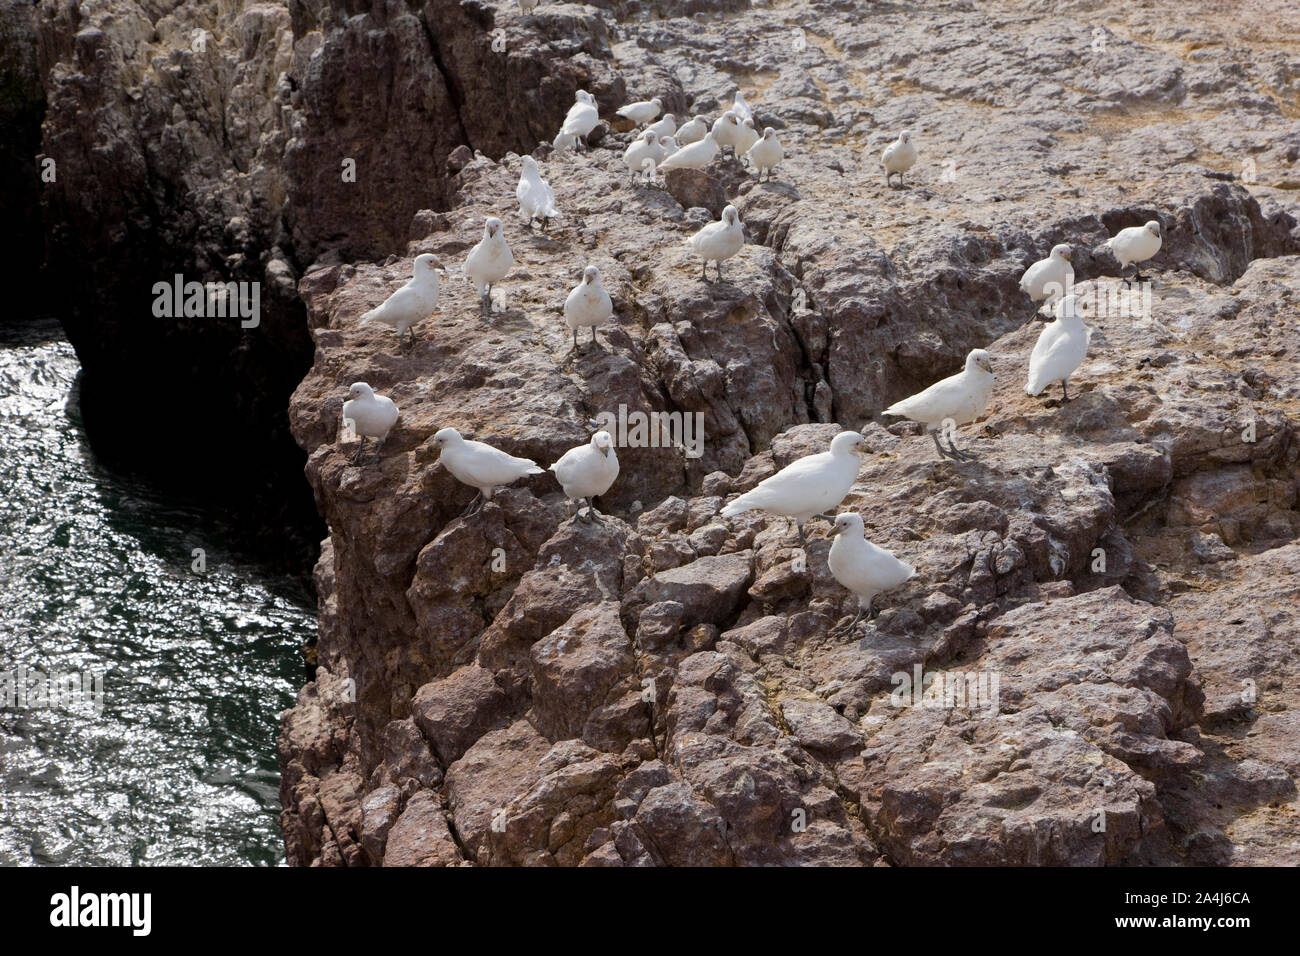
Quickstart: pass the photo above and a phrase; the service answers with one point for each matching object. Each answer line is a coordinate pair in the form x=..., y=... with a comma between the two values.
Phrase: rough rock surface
x=665, y=689
x=517, y=688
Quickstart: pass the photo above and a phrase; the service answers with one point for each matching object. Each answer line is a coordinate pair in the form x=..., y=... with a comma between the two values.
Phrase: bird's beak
x=605, y=452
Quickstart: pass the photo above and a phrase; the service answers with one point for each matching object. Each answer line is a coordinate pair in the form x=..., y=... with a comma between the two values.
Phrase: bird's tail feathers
x=739, y=506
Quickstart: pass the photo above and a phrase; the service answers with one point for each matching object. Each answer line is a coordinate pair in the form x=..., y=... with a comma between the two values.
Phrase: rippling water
x=97, y=577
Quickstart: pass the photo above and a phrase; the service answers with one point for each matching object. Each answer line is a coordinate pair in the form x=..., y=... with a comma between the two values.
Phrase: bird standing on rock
x=368, y=415
x=479, y=465
x=726, y=132
x=748, y=137
x=489, y=261
x=586, y=472
x=899, y=156
x=536, y=198
x=1049, y=279
x=695, y=156
x=693, y=131
x=588, y=305
x=719, y=240
x=643, y=112
x=740, y=108
x=412, y=302
x=1135, y=245
x=951, y=402
x=809, y=486
x=862, y=567
x=665, y=127
x=580, y=120
x=1061, y=348
x=766, y=153
x=644, y=148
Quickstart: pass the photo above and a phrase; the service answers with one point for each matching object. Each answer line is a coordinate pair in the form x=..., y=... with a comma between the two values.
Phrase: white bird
x=669, y=145
x=954, y=401
x=726, y=132
x=695, y=156
x=644, y=148
x=536, y=197
x=1134, y=245
x=368, y=415
x=581, y=118
x=587, y=472
x=862, y=567
x=741, y=108
x=412, y=302
x=766, y=153
x=665, y=127
x=479, y=465
x=899, y=156
x=564, y=141
x=643, y=112
x=748, y=137
x=693, y=131
x=588, y=305
x=1061, y=348
x=489, y=261
x=527, y=6
x=809, y=486
x=1049, y=279
x=719, y=240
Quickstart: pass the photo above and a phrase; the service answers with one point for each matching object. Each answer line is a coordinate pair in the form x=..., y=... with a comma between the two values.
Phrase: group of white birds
x=663, y=145
x=812, y=486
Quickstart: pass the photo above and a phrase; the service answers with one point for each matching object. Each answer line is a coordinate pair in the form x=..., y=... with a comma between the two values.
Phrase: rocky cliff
x=518, y=688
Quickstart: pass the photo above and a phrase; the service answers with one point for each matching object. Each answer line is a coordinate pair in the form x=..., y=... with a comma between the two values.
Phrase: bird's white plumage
x=1136, y=243
x=726, y=131
x=741, y=108
x=589, y=470
x=962, y=398
x=1050, y=278
x=864, y=568
x=588, y=305
x=527, y=6
x=719, y=241
x=412, y=302
x=695, y=156
x=490, y=260
x=1060, y=349
x=808, y=486
x=642, y=148
x=900, y=155
x=665, y=127
x=536, y=198
x=767, y=153
x=642, y=112
x=582, y=116
x=371, y=415
x=692, y=131
x=479, y=465
x=748, y=136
